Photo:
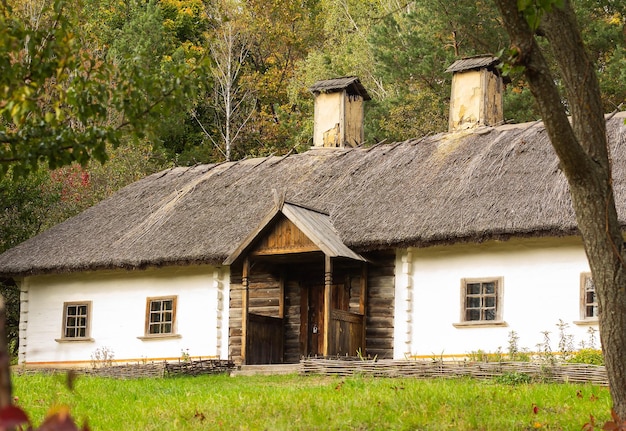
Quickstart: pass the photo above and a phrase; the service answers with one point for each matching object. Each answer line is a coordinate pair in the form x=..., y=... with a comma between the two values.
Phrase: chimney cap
x=475, y=62
x=351, y=84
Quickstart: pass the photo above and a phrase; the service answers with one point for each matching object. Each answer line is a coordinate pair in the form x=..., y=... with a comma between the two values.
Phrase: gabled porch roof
x=314, y=224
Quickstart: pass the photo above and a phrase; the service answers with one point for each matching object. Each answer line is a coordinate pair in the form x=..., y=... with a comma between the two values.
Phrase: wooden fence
x=202, y=366
x=573, y=373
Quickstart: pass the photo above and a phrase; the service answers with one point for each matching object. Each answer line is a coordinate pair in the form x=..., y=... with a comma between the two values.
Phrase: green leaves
x=62, y=100
x=534, y=9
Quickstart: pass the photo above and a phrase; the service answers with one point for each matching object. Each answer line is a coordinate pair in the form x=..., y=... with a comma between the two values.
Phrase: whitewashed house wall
x=118, y=314
x=541, y=284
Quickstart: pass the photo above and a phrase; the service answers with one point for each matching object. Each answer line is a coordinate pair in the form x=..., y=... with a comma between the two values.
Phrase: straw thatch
x=473, y=186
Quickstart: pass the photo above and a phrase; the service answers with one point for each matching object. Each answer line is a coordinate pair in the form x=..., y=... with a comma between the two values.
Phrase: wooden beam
x=363, y=292
x=281, y=297
x=245, y=296
x=328, y=286
x=363, y=302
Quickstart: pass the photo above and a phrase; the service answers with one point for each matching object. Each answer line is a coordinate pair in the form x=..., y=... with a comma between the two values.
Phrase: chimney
x=476, y=96
x=338, y=117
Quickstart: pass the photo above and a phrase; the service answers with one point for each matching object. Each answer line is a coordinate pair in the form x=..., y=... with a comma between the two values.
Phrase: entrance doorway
x=346, y=328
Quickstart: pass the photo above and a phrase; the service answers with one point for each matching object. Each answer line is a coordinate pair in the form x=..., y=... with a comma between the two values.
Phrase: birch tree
x=582, y=148
x=232, y=102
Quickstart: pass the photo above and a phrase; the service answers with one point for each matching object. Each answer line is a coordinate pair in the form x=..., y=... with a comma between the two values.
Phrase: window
x=160, y=316
x=481, y=301
x=588, y=301
x=76, y=320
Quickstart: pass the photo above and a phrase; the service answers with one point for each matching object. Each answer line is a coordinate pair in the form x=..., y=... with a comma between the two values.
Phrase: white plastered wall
x=541, y=280
x=118, y=312
x=466, y=100
x=329, y=113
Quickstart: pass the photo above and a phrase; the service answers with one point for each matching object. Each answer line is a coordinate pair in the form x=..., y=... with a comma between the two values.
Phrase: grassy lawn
x=312, y=402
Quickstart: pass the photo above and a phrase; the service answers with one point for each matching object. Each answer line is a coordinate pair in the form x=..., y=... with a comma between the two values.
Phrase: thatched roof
x=451, y=187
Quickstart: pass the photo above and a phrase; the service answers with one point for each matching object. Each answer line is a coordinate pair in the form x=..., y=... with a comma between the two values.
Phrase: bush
x=513, y=378
x=587, y=356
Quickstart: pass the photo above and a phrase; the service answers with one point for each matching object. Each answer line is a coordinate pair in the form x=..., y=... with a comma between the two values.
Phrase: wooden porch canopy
x=315, y=225
x=276, y=236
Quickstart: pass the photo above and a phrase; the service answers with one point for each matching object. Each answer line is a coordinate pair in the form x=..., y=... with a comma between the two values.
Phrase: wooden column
x=245, y=295
x=281, y=298
x=328, y=286
x=363, y=301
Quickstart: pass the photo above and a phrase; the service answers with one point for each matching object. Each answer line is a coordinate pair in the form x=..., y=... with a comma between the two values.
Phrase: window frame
x=499, y=306
x=64, y=326
x=584, y=319
x=149, y=312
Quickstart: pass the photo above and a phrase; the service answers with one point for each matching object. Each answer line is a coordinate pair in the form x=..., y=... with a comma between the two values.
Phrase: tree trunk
x=582, y=149
x=6, y=396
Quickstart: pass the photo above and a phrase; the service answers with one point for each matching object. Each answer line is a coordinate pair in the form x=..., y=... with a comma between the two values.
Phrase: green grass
x=304, y=403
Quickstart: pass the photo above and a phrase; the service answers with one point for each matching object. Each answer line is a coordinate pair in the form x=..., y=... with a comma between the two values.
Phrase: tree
x=62, y=99
x=582, y=149
x=232, y=103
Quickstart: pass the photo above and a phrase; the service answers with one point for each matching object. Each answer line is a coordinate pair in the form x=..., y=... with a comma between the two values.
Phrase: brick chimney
x=338, y=117
x=476, y=97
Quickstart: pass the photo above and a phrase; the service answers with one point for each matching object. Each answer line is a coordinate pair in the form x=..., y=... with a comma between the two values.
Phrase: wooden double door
x=346, y=329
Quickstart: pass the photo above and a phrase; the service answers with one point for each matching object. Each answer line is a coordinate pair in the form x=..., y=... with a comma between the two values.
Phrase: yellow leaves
x=616, y=19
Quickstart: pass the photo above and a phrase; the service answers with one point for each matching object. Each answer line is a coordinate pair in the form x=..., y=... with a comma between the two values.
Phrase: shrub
x=587, y=356
x=513, y=378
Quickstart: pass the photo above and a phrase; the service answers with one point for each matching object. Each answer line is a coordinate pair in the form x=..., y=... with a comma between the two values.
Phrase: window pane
x=490, y=301
x=167, y=328
x=591, y=311
x=472, y=314
x=155, y=305
x=590, y=297
x=473, y=288
x=167, y=305
x=473, y=302
x=490, y=287
x=490, y=314
x=155, y=317
x=71, y=310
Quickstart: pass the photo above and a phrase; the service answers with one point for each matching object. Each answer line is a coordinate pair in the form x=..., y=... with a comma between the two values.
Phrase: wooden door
x=315, y=344
x=313, y=324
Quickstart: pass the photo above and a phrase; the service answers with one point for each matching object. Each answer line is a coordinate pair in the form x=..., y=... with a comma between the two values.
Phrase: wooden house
x=438, y=245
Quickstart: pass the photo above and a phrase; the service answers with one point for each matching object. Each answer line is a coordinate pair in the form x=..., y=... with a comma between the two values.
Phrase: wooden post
x=281, y=297
x=245, y=294
x=363, y=302
x=328, y=286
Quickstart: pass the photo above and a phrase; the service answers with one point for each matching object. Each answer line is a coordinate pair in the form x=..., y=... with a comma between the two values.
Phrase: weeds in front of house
x=307, y=402
x=102, y=357
x=565, y=353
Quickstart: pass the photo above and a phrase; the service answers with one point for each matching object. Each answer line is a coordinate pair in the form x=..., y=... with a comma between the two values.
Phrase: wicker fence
x=203, y=366
x=139, y=370
x=573, y=373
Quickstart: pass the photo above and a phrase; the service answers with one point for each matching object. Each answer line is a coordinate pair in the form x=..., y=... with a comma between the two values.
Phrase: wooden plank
x=244, y=308
x=346, y=316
